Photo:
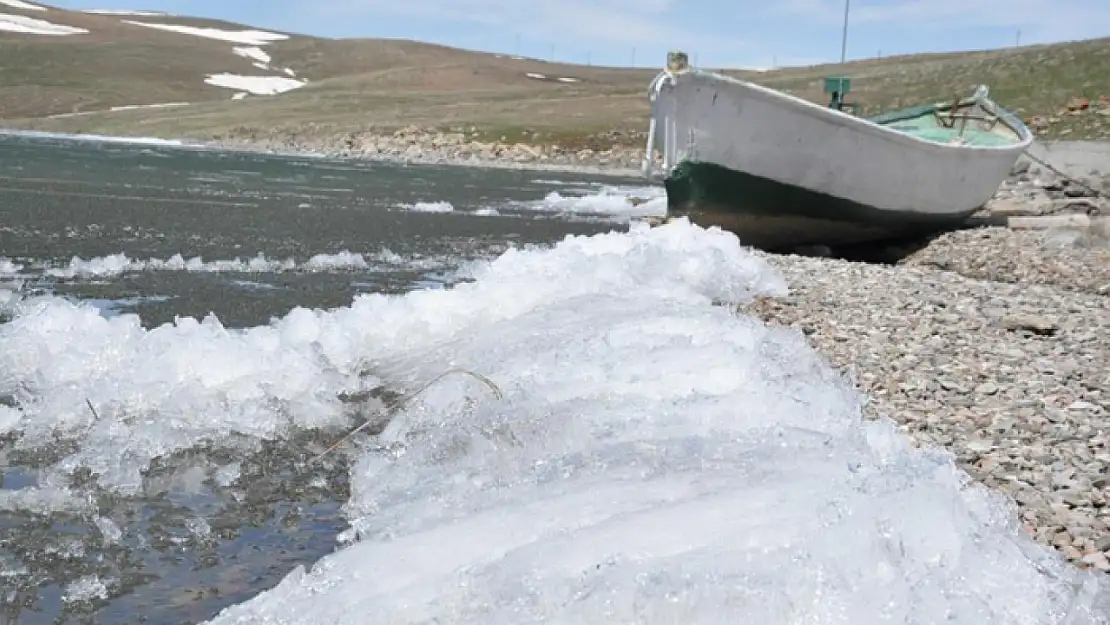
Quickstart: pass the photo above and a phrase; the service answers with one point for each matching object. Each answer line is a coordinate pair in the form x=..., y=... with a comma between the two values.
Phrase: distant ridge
x=143, y=71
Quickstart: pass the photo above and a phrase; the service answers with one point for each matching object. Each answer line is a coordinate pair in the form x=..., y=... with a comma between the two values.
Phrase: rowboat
x=780, y=171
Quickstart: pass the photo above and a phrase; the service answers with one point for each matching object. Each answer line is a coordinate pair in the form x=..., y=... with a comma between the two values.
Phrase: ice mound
x=341, y=260
x=618, y=202
x=654, y=459
x=196, y=382
x=9, y=267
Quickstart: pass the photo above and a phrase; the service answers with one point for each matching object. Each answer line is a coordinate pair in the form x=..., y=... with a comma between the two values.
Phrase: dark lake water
x=164, y=233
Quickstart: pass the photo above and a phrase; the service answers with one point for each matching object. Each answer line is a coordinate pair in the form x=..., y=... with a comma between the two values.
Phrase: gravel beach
x=612, y=153
x=993, y=343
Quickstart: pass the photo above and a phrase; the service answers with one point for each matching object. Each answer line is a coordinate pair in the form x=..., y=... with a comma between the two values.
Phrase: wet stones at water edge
x=422, y=145
x=1031, y=190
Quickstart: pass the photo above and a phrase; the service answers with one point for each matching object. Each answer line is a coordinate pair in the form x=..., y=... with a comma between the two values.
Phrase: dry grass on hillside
x=1034, y=81
x=385, y=84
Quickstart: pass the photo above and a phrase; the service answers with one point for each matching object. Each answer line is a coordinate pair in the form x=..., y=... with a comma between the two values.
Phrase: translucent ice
x=655, y=457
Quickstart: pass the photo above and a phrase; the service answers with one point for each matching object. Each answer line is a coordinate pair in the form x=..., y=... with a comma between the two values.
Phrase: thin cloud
x=1039, y=20
x=735, y=33
x=647, y=23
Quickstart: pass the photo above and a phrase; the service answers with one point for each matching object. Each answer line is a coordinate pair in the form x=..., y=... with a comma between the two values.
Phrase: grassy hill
x=1049, y=82
x=68, y=83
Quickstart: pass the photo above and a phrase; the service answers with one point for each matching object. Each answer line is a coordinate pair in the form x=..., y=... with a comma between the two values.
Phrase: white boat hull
x=768, y=163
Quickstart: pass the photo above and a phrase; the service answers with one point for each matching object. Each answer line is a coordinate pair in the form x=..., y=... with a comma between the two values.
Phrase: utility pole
x=1017, y=39
x=552, y=57
x=843, y=53
x=844, y=34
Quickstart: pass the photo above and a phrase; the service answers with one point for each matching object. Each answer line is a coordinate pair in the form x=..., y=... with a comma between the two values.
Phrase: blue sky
x=717, y=33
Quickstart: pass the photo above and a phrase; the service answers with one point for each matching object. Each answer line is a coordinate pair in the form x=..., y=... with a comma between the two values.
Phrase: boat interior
x=974, y=121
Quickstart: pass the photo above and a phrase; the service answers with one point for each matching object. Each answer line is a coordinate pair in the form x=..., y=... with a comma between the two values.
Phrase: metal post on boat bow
x=649, y=150
x=677, y=62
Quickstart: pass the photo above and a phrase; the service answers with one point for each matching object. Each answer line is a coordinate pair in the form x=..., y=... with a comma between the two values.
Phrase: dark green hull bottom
x=774, y=216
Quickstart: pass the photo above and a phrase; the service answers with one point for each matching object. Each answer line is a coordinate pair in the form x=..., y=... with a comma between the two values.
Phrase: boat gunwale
x=879, y=130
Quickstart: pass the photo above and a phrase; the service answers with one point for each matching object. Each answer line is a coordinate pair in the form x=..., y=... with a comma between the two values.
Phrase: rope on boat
x=982, y=94
x=1095, y=192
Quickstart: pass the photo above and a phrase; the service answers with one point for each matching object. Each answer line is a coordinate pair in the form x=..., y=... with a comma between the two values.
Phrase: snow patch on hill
x=252, y=52
x=124, y=12
x=248, y=37
x=251, y=40
x=257, y=85
x=20, y=4
x=33, y=26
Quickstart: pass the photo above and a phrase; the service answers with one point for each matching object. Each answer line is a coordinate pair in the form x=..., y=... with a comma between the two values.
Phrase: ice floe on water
x=653, y=456
x=558, y=182
x=9, y=267
x=429, y=207
x=117, y=264
x=344, y=260
x=37, y=134
x=118, y=306
x=85, y=589
x=616, y=202
x=573, y=199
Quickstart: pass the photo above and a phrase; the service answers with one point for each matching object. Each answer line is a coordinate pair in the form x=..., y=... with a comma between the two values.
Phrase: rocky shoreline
x=993, y=343
x=1073, y=257
x=612, y=153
